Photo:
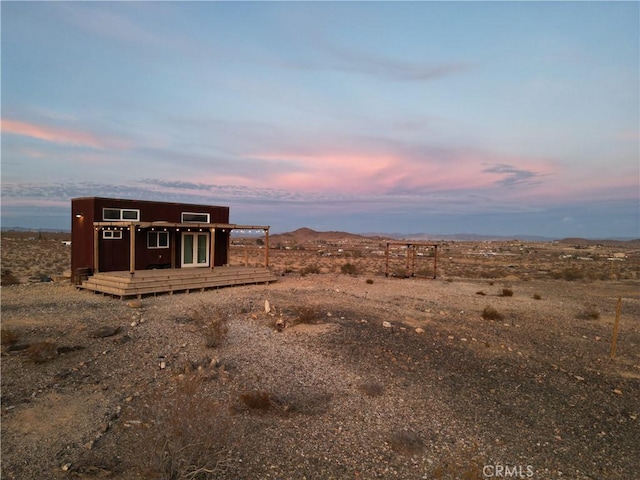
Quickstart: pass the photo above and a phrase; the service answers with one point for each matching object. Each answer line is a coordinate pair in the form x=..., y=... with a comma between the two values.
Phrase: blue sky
x=504, y=118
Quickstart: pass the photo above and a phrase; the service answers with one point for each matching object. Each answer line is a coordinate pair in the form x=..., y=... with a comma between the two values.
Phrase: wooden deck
x=150, y=282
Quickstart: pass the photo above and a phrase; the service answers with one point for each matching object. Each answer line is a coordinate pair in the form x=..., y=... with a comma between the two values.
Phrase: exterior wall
x=114, y=253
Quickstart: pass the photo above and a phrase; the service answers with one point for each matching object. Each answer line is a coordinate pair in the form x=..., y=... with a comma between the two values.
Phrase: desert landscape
x=355, y=364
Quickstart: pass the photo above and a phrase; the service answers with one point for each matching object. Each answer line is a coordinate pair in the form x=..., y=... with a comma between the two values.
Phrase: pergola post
x=132, y=249
x=266, y=247
x=96, y=254
x=212, y=243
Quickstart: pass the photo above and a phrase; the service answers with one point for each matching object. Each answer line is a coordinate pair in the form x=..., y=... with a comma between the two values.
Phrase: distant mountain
x=464, y=237
x=22, y=229
x=307, y=234
x=584, y=242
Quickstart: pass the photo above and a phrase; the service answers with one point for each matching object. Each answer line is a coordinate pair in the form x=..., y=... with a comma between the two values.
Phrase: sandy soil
x=346, y=376
x=98, y=387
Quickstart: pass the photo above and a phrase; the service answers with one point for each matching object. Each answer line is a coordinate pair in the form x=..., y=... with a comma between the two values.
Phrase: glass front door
x=195, y=249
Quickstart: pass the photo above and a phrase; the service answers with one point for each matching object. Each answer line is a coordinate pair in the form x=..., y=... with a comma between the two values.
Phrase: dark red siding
x=114, y=253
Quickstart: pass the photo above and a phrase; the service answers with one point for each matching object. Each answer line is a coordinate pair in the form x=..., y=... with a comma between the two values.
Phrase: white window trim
x=112, y=234
x=159, y=234
x=121, y=216
x=208, y=215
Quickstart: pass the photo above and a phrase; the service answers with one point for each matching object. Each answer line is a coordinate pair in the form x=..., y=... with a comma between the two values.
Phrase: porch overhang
x=132, y=226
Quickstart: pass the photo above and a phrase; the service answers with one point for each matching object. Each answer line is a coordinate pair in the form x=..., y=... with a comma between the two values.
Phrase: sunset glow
x=501, y=118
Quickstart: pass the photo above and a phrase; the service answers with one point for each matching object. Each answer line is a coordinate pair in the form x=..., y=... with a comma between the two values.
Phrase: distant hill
x=304, y=234
x=584, y=242
x=36, y=230
x=467, y=237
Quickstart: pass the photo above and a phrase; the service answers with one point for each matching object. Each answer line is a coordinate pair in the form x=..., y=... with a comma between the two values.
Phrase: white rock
x=419, y=330
x=386, y=324
x=267, y=307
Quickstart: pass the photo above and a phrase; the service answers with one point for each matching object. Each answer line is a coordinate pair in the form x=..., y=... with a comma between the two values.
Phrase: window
x=188, y=217
x=115, y=214
x=112, y=234
x=157, y=239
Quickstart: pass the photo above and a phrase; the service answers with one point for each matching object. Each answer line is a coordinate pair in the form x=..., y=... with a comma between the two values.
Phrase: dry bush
x=349, y=269
x=537, y=296
x=506, y=292
x=372, y=389
x=42, y=352
x=8, y=337
x=590, y=312
x=369, y=281
x=480, y=293
x=257, y=400
x=214, y=323
x=405, y=442
x=185, y=436
x=310, y=269
x=568, y=274
x=8, y=278
x=490, y=313
x=309, y=315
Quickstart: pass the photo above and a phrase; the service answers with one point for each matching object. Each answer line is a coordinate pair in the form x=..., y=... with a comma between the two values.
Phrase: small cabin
x=120, y=235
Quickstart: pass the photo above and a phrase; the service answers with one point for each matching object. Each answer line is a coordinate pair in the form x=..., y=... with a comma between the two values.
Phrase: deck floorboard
x=145, y=282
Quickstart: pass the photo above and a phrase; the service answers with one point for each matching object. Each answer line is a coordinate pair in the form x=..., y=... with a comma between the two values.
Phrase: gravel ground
x=390, y=379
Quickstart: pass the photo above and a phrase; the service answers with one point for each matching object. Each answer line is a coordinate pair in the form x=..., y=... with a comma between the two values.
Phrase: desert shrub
x=490, y=313
x=372, y=389
x=8, y=337
x=536, y=296
x=405, y=442
x=185, y=436
x=213, y=322
x=349, y=269
x=568, y=274
x=256, y=400
x=310, y=269
x=506, y=292
x=369, y=281
x=42, y=352
x=590, y=312
x=8, y=278
x=480, y=293
x=307, y=315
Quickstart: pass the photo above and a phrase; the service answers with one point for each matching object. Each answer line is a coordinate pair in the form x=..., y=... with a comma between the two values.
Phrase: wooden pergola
x=177, y=227
x=411, y=256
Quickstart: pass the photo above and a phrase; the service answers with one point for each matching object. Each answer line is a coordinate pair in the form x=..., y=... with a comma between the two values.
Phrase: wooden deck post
x=132, y=249
x=172, y=242
x=386, y=265
x=212, y=244
x=266, y=247
x=96, y=254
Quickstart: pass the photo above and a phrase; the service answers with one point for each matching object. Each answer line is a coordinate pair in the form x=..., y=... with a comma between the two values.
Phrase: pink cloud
x=371, y=173
x=62, y=136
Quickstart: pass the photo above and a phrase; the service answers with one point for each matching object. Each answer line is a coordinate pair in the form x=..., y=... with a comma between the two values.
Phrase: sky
x=493, y=118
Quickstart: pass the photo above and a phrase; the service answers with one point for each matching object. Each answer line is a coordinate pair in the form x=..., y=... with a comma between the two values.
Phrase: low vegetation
x=213, y=322
x=490, y=313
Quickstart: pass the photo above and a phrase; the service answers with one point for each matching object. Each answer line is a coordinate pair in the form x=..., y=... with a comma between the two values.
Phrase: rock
x=617, y=391
x=105, y=331
x=134, y=304
x=419, y=330
x=386, y=324
x=267, y=307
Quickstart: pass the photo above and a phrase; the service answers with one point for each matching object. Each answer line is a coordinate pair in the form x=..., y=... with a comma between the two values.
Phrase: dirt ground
x=494, y=369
